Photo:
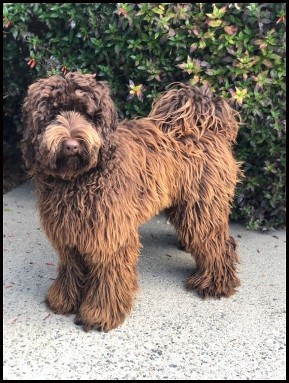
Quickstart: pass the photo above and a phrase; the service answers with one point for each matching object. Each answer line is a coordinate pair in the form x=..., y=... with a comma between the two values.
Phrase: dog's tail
x=188, y=110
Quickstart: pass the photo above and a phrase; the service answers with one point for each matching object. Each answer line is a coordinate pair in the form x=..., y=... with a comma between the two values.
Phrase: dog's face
x=65, y=121
x=68, y=147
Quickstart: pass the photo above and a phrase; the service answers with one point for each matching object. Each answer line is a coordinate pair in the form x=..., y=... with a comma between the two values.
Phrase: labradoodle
x=98, y=179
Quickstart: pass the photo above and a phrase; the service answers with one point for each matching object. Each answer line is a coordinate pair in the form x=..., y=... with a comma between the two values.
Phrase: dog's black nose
x=70, y=147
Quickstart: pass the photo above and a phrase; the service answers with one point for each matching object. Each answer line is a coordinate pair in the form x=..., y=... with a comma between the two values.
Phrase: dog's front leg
x=64, y=294
x=109, y=290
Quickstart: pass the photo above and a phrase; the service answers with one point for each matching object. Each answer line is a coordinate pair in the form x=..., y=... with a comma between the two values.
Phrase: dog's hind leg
x=64, y=294
x=216, y=274
x=205, y=234
x=110, y=290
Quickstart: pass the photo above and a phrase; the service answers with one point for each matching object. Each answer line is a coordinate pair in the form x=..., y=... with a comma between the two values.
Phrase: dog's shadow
x=161, y=255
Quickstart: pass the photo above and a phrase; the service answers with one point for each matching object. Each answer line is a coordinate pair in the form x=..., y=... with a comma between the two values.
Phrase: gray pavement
x=171, y=333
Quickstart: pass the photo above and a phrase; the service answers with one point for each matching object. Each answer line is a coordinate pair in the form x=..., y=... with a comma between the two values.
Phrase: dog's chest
x=67, y=216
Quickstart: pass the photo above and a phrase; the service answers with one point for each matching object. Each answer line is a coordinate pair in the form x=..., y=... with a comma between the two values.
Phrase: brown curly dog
x=98, y=180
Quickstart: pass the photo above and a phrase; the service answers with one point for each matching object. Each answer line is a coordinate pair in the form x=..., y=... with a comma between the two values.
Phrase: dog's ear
x=108, y=115
x=28, y=153
x=93, y=98
x=29, y=131
x=43, y=100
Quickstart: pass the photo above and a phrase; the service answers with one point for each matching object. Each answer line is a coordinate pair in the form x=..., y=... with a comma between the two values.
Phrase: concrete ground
x=171, y=333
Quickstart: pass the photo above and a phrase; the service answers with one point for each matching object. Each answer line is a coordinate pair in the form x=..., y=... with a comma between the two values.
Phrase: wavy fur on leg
x=65, y=293
x=98, y=180
x=108, y=299
x=201, y=217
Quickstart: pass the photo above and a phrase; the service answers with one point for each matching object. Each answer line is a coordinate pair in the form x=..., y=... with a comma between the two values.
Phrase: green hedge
x=139, y=48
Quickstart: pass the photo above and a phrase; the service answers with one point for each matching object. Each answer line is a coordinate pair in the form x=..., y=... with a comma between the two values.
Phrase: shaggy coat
x=98, y=180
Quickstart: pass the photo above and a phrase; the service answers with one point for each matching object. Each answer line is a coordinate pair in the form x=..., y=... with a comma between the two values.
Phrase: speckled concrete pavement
x=171, y=334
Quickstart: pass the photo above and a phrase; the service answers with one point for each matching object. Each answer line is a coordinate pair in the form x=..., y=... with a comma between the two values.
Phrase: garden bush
x=139, y=48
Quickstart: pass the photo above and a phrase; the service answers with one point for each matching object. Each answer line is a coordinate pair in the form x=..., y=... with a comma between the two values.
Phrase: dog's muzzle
x=70, y=147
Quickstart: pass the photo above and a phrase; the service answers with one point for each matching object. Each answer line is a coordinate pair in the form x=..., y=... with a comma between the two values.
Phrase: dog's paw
x=59, y=302
x=98, y=320
x=87, y=326
x=60, y=307
x=208, y=287
x=183, y=247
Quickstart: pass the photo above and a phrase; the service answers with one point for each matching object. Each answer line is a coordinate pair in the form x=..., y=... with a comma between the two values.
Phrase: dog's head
x=65, y=121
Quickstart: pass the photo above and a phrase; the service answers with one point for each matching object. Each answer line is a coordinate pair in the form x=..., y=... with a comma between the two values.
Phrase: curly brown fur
x=188, y=110
x=74, y=93
x=96, y=184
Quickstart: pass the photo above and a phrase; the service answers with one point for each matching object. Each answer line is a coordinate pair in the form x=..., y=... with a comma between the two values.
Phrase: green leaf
x=214, y=23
